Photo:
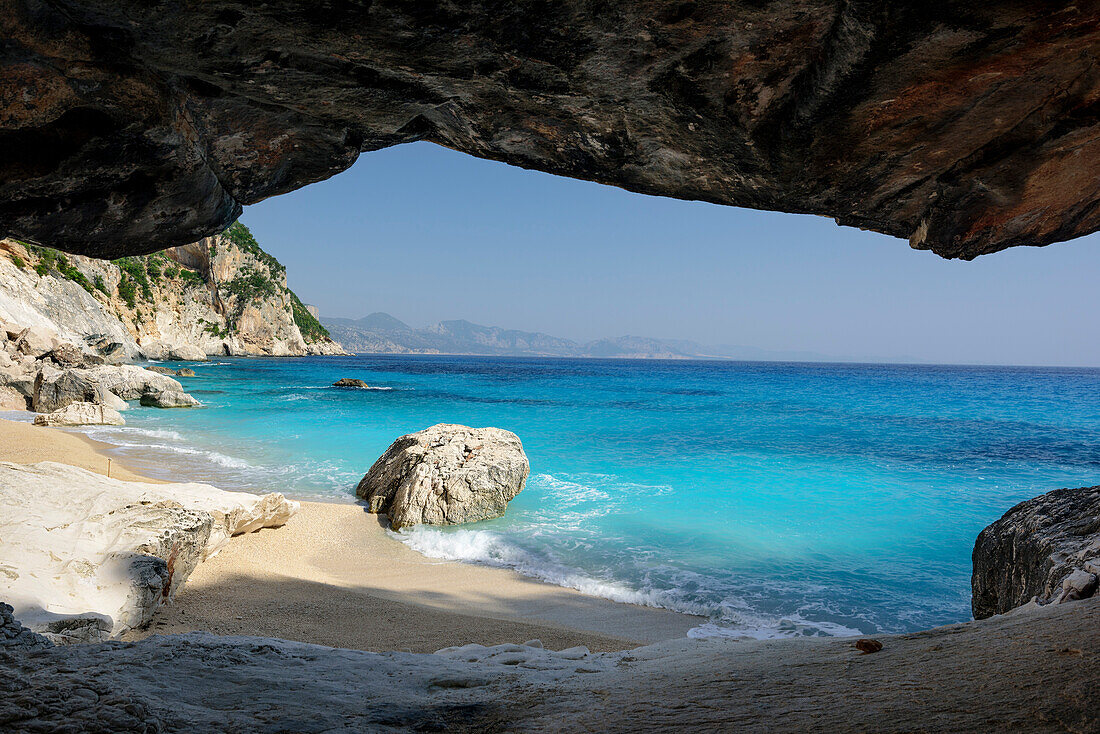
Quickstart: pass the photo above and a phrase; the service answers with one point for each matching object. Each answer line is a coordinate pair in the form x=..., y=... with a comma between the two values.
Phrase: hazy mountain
x=642, y=348
x=478, y=339
x=382, y=333
x=383, y=322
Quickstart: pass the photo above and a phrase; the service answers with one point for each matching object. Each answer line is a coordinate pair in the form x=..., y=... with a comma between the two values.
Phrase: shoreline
x=333, y=576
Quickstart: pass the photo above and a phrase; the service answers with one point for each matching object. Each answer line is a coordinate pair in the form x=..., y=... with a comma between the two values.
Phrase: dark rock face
x=1046, y=548
x=966, y=127
x=13, y=634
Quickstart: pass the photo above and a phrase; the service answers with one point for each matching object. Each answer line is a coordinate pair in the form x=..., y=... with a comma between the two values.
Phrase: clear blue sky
x=428, y=234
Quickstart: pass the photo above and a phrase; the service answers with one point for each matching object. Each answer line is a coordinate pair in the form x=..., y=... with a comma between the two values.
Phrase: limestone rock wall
x=210, y=297
x=60, y=305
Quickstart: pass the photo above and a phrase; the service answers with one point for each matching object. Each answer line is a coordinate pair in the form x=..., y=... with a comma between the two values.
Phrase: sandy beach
x=334, y=576
x=25, y=443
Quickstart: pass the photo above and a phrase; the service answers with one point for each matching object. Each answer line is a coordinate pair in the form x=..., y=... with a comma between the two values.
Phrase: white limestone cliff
x=222, y=295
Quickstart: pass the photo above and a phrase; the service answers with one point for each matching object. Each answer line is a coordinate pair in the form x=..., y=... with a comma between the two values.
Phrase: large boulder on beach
x=109, y=385
x=86, y=558
x=55, y=389
x=81, y=414
x=446, y=475
x=11, y=399
x=1045, y=550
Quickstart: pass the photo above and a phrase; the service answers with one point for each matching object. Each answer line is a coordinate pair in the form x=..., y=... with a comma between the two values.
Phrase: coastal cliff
x=222, y=295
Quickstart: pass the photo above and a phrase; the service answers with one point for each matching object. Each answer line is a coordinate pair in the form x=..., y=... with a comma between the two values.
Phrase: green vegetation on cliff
x=311, y=328
x=134, y=275
x=240, y=236
x=52, y=260
x=253, y=285
x=258, y=279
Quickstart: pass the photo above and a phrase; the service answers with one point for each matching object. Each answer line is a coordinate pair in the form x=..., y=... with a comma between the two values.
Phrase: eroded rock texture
x=966, y=127
x=1047, y=549
x=86, y=557
x=1035, y=673
x=446, y=475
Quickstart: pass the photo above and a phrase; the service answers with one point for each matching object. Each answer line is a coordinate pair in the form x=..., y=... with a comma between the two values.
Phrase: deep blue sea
x=774, y=499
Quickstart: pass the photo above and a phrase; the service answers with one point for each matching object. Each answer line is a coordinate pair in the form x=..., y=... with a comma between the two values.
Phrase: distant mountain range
x=381, y=333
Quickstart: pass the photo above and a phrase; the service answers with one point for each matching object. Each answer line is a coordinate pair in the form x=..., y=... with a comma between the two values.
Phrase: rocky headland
x=222, y=295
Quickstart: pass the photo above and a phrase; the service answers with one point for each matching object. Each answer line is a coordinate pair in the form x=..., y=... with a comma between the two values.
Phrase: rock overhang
x=131, y=126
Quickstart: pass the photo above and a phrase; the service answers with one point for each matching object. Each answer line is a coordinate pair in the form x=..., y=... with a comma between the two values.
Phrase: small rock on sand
x=868, y=646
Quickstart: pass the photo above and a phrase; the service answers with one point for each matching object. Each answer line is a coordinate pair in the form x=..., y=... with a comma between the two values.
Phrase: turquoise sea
x=774, y=499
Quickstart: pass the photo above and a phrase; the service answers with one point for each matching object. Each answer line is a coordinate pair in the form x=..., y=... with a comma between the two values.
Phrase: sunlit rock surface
x=84, y=557
x=81, y=414
x=446, y=475
x=212, y=297
x=964, y=127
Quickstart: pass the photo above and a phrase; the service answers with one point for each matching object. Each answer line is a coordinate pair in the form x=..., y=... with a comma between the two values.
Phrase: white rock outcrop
x=446, y=475
x=169, y=399
x=198, y=311
x=59, y=306
x=81, y=414
x=84, y=557
x=108, y=385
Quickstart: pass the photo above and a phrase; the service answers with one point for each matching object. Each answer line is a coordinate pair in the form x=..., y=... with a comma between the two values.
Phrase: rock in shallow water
x=169, y=399
x=349, y=382
x=1047, y=549
x=446, y=475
